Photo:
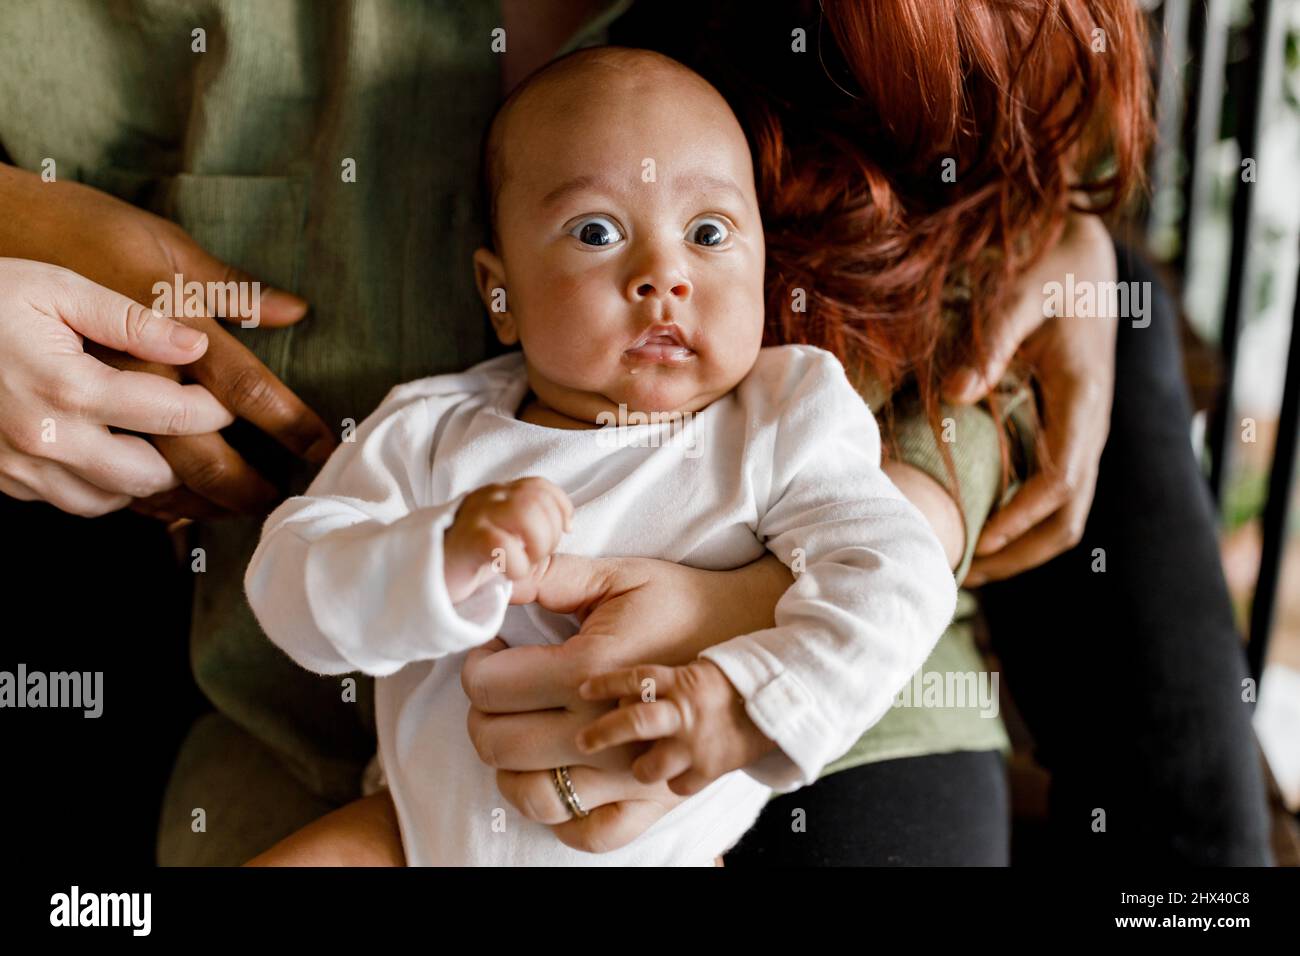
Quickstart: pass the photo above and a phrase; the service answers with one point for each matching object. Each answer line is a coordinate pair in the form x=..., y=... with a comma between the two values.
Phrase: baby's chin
x=657, y=389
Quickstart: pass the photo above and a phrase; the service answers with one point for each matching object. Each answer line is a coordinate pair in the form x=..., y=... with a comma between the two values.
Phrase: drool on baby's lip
x=659, y=353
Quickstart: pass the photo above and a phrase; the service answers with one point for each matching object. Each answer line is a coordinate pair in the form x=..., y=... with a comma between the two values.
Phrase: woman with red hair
x=926, y=167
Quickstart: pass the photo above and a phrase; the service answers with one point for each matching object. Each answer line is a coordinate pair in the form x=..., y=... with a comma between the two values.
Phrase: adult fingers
x=573, y=583
x=1039, y=498
x=1048, y=539
x=49, y=481
x=273, y=307
x=1003, y=336
x=114, y=463
x=239, y=380
x=17, y=490
x=141, y=401
x=1069, y=473
x=532, y=741
x=611, y=826
x=533, y=792
x=112, y=319
x=208, y=466
x=518, y=679
x=178, y=503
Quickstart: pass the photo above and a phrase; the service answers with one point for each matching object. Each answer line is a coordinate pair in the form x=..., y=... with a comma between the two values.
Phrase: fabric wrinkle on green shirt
x=243, y=145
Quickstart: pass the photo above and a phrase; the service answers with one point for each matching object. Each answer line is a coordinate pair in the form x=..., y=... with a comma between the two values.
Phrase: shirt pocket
x=253, y=222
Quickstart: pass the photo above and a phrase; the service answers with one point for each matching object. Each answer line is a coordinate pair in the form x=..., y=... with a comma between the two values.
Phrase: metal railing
x=1193, y=81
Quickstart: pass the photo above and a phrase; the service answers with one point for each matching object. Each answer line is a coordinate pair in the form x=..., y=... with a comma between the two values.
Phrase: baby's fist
x=511, y=529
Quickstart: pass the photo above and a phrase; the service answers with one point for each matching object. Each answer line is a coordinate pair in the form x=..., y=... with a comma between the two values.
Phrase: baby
x=640, y=417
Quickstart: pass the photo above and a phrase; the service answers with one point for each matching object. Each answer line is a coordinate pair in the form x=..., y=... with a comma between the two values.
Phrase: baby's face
x=631, y=248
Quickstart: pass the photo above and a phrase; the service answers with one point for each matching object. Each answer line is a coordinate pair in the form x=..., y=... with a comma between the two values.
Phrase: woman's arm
x=1073, y=361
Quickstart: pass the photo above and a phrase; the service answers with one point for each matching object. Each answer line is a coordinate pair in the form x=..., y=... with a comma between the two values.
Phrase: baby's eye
x=708, y=232
x=596, y=231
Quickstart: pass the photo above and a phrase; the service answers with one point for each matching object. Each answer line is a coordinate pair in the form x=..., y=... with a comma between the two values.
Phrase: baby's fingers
x=537, y=522
x=645, y=682
x=507, y=554
x=665, y=760
x=629, y=724
x=565, y=506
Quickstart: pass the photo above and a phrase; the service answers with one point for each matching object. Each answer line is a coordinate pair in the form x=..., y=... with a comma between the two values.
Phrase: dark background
x=104, y=594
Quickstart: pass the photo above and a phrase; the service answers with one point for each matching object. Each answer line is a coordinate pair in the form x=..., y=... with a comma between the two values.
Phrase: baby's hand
x=511, y=529
x=695, y=714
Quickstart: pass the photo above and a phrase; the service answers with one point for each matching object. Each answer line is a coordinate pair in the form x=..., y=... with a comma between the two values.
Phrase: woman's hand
x=1073, y=359
x=525, y=708
x=127, y=250
x=57, y=403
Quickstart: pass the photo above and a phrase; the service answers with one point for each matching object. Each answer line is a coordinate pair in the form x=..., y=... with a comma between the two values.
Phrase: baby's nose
x=659, y=283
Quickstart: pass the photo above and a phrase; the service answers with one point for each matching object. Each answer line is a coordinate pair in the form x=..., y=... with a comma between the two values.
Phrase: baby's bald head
x=587, y=78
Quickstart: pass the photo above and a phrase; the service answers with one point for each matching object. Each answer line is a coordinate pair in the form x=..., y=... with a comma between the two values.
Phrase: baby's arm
x=365, y=572
x=873, y=592
x=935, y=503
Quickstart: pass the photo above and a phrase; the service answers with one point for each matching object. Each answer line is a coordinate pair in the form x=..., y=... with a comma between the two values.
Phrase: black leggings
x=1129, y=680
x=938, y=810
x=1135, y=697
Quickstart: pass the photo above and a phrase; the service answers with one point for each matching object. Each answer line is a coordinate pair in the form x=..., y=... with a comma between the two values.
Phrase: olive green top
x=244, y=144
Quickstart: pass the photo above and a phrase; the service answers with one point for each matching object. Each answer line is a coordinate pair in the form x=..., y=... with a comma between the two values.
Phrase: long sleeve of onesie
x=872, y=592
x=349, y=576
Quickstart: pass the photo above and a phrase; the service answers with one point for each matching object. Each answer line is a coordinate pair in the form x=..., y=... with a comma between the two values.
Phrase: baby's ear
x=490, y=276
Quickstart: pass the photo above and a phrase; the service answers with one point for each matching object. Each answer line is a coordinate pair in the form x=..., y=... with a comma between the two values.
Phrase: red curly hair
x=1035, y=107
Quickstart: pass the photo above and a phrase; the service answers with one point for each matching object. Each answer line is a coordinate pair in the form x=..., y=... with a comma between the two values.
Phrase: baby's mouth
x=659, y=345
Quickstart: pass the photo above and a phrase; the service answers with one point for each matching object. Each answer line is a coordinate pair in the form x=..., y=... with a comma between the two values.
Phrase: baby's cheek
x=572, y=290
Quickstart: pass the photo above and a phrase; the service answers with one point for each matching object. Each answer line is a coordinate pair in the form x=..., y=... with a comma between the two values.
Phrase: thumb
x=241, y=297
x=572, y=583
x=111, y=319
x=1003, y=336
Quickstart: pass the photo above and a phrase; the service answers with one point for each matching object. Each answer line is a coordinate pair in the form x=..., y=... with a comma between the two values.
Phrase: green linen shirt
x=244, y=144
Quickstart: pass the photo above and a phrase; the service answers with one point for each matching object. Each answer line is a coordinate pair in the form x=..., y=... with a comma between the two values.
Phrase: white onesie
x=349, y=577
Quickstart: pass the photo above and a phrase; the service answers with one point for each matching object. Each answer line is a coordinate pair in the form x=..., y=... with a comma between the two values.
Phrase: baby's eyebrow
x=577, y=184
x=707, y=182
x=699, y=182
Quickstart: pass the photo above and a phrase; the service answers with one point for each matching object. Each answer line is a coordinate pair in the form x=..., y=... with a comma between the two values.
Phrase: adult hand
x=1073, y=360
x=525, y=708
x=57, y=403
x=128, y=250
